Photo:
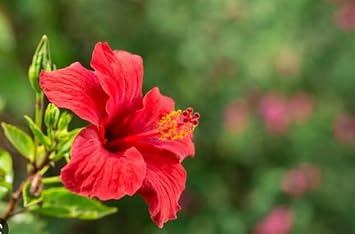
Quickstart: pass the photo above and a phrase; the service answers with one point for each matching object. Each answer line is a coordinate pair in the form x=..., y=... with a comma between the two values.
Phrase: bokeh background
x=273, y=80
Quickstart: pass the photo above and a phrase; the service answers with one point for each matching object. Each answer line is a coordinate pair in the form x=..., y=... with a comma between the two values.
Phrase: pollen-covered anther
x=176, y=125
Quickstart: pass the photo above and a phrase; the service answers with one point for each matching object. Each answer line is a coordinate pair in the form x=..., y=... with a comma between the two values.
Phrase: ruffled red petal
x=121, y=75
x=77, y=89
x=156, y=105
x=95, y=172
x=165, y=181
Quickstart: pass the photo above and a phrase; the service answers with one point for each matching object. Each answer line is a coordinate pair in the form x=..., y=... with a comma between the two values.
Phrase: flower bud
x=33, y=74
x=51, y=116
x=41, y=60
x=64, y=121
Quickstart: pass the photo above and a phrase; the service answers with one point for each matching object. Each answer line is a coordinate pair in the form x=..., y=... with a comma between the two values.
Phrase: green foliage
x=37, y=132
x=6, y=173
x=7, y=40
x=65, y=142
x=41, y=61
x=51, y=116
x=64, y=121
x=59, y=202
x=25, y=223
x=20, y=140
x=29, y=199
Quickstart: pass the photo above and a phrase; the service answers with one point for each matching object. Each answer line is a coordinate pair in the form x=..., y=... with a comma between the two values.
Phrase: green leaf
x=28, y=198
x=59, y=202
x=37, y=132
x=20, y=140
x=6, y=173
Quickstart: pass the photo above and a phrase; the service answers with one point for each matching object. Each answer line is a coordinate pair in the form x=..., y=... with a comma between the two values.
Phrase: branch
x=15, y=196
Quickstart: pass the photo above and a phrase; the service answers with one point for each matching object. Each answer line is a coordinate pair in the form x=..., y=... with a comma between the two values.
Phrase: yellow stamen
x=176, y=125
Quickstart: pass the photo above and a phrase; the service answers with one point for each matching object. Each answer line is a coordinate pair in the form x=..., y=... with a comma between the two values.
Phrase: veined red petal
x=182, y=148
x=120, y=75
x=95, y=172
x=155, y=105
x=77, y=89
x=162, y=187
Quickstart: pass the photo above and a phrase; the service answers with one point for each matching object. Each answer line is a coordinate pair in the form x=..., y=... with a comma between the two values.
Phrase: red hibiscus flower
x=134, y=144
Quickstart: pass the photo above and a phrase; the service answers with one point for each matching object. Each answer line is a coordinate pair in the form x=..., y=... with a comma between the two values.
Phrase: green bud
x=41, y=60
x=51, y=116
x=64, y=121
x=65, y=143
x=33, y=78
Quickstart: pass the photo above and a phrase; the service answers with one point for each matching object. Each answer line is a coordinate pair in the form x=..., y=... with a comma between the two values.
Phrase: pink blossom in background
x=300, y=107
x=344, y=128
x=313, y=175
x=273, y=110
x=345, y=16
x=294, y=183
x=280, y=220
x=236, y=117
x=301, y=179
x=278, y=113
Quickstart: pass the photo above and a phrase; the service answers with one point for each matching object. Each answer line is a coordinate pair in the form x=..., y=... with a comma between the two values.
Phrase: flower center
x=176, y=125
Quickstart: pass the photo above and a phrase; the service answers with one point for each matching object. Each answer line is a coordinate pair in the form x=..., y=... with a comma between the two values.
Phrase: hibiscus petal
x=162, y=187
x=95, y=172
x=182, y=148
x=155, y=105
x=121, y=76
x=76, y=89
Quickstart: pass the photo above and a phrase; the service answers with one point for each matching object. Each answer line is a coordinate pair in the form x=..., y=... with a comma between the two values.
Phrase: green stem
x=39, y=63
x=15, y=196
x=39, y=109
x=38, y=120
x=51, y=180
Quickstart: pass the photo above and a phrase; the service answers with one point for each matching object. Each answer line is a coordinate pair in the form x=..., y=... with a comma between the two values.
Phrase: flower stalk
x=41, y=61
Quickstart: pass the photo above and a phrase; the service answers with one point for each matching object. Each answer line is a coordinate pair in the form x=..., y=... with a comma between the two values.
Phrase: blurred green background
x=273, y=80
